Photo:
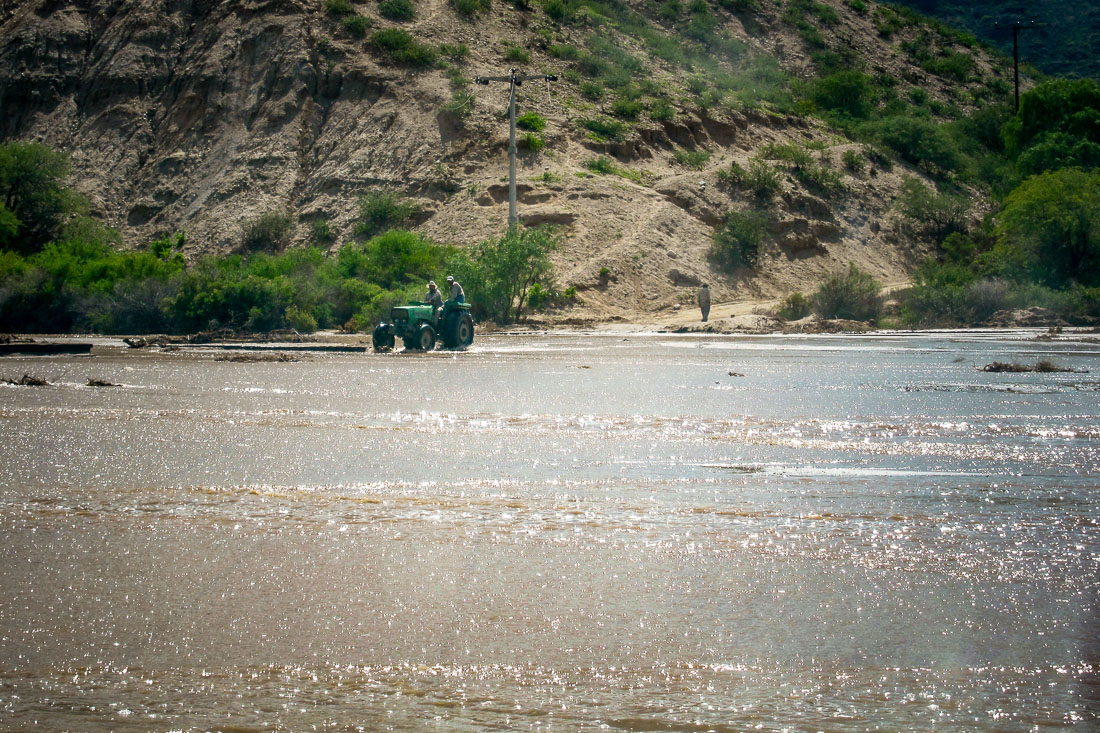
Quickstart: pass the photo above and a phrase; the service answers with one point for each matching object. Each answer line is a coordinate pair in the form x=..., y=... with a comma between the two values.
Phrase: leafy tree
x=34, y=203
x=1050, y=226
x=399, y=258
x=1059, y=106
x=499, y=273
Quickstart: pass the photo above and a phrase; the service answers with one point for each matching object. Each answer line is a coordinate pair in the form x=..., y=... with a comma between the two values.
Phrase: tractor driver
x=434, y=298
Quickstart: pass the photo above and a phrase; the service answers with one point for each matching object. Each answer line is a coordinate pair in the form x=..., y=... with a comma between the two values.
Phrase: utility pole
x=1016, y=26
x=514, y=80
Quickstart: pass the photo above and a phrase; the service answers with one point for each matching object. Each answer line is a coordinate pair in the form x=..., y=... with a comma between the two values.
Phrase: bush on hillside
x=267, y=232
x=853, y=295
x=398, y=10
x=918, y=141
x=400, y=47
x=380, y=211
x=738, y=240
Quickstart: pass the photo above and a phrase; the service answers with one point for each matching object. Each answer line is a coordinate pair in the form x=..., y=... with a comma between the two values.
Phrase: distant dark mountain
x=1065, y=40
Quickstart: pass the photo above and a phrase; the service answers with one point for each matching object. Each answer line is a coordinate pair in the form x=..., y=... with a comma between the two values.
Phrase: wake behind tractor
x=415, y=325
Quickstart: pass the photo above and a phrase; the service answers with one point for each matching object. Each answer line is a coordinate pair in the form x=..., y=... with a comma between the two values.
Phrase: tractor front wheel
x=382, y=339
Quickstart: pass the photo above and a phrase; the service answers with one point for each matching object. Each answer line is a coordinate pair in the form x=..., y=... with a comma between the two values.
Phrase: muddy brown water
x=555, y=532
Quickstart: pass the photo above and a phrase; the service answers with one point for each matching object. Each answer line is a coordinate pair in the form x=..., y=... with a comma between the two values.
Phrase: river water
x=646, y=532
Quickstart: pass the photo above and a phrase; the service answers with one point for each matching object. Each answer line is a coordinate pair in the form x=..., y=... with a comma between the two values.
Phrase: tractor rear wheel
x=458, y=331
x=425, y=338
x=450, y=331
x=465, y=331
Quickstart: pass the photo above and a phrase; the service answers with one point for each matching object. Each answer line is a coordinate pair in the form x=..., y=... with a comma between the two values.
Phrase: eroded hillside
x=198, y=116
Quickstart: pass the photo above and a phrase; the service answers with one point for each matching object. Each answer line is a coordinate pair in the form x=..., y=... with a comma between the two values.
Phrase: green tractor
x=418, y=330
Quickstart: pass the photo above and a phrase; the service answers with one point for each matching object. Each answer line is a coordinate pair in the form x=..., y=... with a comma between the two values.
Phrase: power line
x=514, y=79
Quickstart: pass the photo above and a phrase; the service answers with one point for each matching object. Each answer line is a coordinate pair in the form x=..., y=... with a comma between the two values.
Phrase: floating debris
x=1043, y=365
x=27, y=381
x=279, y=356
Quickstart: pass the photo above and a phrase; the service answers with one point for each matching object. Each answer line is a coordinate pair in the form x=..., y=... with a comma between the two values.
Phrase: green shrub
x=455, y=52
x=627, y=109
x=738, y=6
x=592, y=90
x=958, y=66
x=853, y=295
x=794, y=307
x=853, y=161
x=788, y=152
x=532, y=142
x=460, y=104
x=821, y=178
x=695, y=159
x=356, y=25
x=931, y=212
x=457, y=78
x=661, y=111
x=888, y=21
x=321, y=230
x=541, y=297
x=339, y=8
x=601, y=165
x=34, y=202
x=1049, y=228
x=604, y=128
x=558, y=10
x=380, y=211
x=470, y=8
x=920, y=142
x=564, y=51
x=300, y=320
x=531, y=121
x=517, y=55
x=400, y=47
x=268, y=231
x=398, y=10
x=760, y=178
x=738, y=240
x=848, y=93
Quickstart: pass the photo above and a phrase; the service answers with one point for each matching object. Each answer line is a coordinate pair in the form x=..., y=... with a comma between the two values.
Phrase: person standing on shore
x=703, y=298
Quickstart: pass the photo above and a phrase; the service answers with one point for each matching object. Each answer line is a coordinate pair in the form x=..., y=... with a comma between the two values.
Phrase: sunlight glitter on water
x=558, y=533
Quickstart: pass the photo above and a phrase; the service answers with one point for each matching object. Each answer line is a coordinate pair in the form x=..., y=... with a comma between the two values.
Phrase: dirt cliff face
x=199, y=115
